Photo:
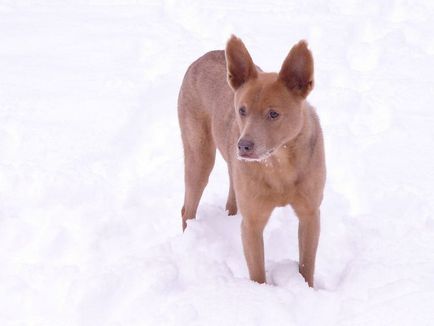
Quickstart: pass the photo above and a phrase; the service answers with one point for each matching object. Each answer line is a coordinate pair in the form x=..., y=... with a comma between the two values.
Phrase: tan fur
x=285, y=165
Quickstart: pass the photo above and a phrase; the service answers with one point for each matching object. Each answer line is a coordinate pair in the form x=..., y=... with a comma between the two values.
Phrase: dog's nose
x=245, y=146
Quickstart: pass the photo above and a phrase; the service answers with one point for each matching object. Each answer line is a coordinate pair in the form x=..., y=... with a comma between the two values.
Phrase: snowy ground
x=91, y=166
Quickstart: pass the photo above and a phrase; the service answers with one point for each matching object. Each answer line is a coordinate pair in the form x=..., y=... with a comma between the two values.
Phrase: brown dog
x=269, y=136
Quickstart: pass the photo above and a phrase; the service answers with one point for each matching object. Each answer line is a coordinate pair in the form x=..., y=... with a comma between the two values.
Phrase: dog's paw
x=231, y=209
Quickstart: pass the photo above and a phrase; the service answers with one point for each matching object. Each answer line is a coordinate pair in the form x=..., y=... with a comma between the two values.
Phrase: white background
x=91, y=166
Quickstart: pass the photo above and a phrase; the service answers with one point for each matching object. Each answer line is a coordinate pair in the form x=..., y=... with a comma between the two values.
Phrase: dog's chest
x=274, y=180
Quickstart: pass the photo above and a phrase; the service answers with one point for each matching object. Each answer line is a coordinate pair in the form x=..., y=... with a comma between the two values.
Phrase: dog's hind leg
x=199, y=156
x=231, y=203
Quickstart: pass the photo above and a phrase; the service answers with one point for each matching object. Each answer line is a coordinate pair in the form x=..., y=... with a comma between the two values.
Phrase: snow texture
x=91, y=166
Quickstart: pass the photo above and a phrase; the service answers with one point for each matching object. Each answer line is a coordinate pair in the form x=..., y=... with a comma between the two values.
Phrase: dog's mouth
x=253, y=157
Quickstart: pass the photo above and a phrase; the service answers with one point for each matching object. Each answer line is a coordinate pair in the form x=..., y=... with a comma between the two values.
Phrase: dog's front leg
x=308, y=236
x=252, y=228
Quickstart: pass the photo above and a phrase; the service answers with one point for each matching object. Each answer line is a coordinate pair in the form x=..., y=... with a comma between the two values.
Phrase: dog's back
x=206, y=99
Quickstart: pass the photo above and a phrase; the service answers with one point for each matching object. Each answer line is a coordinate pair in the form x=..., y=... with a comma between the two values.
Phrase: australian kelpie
x=269, y=136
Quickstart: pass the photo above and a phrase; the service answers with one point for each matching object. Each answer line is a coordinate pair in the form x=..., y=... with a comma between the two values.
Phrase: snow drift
x=91, y=166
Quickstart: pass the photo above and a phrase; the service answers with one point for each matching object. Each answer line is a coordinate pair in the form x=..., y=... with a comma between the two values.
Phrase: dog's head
x=268, y=106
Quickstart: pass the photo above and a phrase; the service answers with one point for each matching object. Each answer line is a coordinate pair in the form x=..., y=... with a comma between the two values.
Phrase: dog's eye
x=242, y=111
x=273, y=115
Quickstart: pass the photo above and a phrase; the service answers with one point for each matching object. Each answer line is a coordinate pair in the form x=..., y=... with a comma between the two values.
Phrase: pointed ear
x=297, y=70
x=239, y=63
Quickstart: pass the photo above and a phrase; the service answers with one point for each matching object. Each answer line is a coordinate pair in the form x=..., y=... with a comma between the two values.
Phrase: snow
x=91, y=166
